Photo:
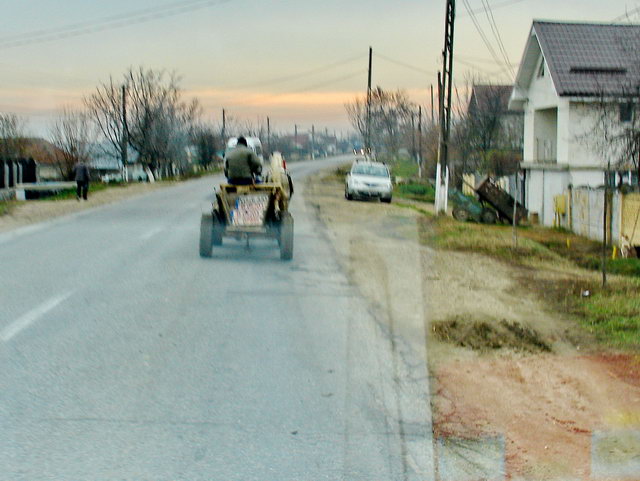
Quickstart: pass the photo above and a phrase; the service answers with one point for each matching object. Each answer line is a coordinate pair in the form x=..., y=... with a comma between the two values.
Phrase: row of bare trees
x=143, y=113
x=485, y=139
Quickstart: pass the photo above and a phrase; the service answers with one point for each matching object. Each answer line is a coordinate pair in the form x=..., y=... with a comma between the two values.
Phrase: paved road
x=125, y=356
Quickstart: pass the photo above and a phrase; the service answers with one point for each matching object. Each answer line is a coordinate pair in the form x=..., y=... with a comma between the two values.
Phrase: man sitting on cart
x=242, y=165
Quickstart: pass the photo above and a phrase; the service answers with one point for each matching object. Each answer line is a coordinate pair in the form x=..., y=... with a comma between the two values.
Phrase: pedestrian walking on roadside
x=81, y=173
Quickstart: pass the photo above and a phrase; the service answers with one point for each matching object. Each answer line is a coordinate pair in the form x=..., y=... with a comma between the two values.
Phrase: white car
x=368, y=180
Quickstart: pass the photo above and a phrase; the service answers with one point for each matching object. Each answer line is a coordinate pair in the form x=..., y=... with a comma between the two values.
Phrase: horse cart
x=258, y=210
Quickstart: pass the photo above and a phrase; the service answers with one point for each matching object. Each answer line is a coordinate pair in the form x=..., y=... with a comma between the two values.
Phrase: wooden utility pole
x=433, y=117
x=419, y=156
x=268, y=137
x=413, y=134
x=445, y=84
x=605, y=236
x=124, y=150
x=224, y=127
x=313, y=142
x=367, y=140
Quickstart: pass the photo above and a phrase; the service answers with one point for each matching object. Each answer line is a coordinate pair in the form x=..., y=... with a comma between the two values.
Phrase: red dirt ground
x=546, y=407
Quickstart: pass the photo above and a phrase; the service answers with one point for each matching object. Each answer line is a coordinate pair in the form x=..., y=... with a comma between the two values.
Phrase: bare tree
x=208, y=142
x=161, y=122
x=486, y=136
x=615, y=129
x=12, y=136
x=390, y=119
x=105, y=106
x=74, y=135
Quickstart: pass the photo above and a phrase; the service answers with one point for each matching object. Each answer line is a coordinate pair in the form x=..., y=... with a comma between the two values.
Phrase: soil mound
x=490, y=335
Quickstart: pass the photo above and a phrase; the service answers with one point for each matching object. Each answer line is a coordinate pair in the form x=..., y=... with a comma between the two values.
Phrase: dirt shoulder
x=516, y=385
x=31, y=212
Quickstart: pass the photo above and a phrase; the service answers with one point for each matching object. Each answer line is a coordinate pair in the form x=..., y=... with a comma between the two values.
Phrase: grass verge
x=563, y=265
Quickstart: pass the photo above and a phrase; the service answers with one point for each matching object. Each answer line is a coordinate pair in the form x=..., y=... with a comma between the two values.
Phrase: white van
x=252, y=142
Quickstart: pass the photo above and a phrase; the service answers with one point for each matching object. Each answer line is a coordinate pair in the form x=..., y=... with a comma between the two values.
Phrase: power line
x=107, y=23
x=306, y=73
x=481, y=32
x=496, y=34
x=626, y=15
x=308, y=88
x=406, y=65
x=496, y=6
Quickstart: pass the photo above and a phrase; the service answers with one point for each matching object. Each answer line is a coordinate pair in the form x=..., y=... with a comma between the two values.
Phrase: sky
x=296, y=61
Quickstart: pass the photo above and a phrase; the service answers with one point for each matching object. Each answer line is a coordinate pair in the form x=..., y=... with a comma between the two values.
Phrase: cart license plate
x=249, y=210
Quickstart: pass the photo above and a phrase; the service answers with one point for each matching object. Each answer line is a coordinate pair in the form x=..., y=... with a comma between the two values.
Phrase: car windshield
x=375, y=170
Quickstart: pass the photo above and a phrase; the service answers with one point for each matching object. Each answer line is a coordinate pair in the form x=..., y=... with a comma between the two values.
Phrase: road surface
x=126, y=356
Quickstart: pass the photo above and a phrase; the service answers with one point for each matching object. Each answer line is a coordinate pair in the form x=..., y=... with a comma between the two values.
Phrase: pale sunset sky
x=296, y=61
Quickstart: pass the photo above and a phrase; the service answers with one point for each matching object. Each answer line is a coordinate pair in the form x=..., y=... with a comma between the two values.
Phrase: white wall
x=542, y=186
x=541, y=95
x=582, y=150
x=591, y=178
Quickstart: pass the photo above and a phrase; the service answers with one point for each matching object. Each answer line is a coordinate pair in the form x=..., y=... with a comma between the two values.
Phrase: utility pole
x=433, y=117
x=419, y=156
x=268, y=137
x=445, y=86
x=604, y=223
x=224, y=127
x=124, y=151
x=313, y=142
x=367, y=140
x=413, y=134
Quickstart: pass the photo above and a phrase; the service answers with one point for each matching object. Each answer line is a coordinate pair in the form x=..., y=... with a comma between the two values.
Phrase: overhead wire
x=481, y=33
x=404, y=64
x=112, y=22
x=287, y=78
x=626, y=15
x=497, y=36
x=495, y=6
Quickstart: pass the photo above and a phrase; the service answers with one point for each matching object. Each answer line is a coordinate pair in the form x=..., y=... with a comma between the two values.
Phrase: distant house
x=565, y=69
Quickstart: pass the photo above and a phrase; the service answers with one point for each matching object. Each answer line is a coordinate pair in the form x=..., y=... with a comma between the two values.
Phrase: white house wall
x=582, y=149
x=541, y=96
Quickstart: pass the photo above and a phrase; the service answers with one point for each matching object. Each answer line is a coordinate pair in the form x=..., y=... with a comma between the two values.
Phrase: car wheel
x=386, y=200
x=348, y=194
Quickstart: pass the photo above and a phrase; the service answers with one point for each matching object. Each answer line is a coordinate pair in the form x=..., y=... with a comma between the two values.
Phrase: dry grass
x=563, y=273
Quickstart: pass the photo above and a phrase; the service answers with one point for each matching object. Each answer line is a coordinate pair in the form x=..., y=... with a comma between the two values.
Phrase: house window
x=626, y=112
x=541, y=69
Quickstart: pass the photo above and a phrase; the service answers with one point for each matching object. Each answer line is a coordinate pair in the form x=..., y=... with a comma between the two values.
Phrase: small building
x=566, y=69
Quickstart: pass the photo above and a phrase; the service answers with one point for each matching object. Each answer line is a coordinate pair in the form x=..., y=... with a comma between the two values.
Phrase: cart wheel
x=489, y=216
x=217, y=230
x=206, y=235
x=460, y=214
x=286, y=237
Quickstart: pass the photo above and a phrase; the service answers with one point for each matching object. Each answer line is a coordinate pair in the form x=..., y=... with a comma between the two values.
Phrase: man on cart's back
x=242, y=164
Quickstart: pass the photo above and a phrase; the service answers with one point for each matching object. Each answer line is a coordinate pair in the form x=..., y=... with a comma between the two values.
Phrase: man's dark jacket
x=241, y=163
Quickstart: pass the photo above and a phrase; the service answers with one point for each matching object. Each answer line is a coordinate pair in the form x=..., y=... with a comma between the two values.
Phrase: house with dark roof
x=566, y=69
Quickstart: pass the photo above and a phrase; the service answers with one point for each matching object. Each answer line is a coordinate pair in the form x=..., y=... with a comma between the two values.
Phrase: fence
x=582, y=211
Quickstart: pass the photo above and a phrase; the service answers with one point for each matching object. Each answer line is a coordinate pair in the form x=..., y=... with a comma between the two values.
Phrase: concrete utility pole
x=445, y=87
x=313, y=142
x=124, y=150
x=367, y=140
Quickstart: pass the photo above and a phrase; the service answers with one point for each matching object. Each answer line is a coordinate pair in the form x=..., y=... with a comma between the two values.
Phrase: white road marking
x=27, y=319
